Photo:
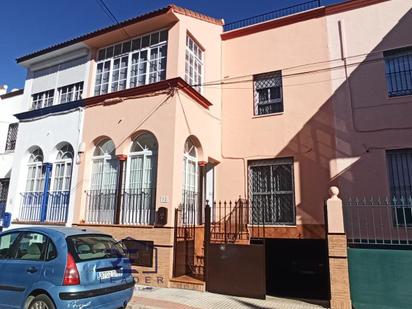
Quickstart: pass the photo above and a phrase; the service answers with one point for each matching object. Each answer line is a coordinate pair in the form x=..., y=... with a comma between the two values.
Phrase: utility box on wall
x=161, y=216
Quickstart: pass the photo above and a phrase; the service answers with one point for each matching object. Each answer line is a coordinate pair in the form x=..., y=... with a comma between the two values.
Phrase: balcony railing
x=378, y=221
x=137, y=206
x=305, y=6
x=100, y=206
x=38, y=207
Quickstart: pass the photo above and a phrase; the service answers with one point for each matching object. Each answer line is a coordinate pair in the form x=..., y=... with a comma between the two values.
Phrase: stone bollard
x=337, y=251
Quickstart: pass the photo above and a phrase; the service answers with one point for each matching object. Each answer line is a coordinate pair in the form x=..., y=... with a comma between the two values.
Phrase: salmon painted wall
x=121, y=122
x=368, y=121
x=208, y=36
x=172, y=123
x=303, y=131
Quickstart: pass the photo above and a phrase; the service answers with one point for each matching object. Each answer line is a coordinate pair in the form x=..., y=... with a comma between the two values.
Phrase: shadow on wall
x=344, y=142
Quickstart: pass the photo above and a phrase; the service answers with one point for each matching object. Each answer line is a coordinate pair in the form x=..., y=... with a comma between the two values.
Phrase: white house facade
x=49, y=143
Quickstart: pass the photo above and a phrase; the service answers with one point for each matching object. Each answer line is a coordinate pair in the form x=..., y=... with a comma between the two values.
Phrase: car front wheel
x=41, y=302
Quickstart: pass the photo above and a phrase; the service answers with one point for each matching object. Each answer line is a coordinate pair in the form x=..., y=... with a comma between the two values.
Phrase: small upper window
x=398, y=65
x=194, y=64
x=70, y=93
x=268, y=93
x=42, y=99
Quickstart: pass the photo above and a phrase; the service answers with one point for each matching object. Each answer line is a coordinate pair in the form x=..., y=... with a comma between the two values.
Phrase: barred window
x=12, y=136
x=194, y=64
x=4, y=189
x=400, y=172
x=271, y=191
x=268, y=93
x=399, y=162
x=398, y=65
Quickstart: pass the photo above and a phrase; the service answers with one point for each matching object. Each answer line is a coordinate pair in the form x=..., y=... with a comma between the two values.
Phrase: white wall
x=57, y=72
x=8, y=107
x=46, y=133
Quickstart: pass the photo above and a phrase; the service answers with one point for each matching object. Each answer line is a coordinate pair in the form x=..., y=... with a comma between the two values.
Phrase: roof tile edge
x=194, y=14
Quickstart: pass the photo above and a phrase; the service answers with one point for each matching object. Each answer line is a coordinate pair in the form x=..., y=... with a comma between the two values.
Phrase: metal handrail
x=297, y=8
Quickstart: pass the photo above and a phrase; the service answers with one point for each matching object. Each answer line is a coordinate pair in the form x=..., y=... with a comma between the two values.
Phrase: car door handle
x=32, y=269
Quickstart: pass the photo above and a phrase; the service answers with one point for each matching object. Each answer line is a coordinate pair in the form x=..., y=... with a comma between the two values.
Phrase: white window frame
x=190, y=182
x=144, y=154
x=105, y=159
x=35, y=184
x=42, y=99
x=103, y=186
x=192, y=77
x=129, y=54
x=75, y=90
x=66, y=176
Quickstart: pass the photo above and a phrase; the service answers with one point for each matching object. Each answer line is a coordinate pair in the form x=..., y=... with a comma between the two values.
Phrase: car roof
x=56, y=230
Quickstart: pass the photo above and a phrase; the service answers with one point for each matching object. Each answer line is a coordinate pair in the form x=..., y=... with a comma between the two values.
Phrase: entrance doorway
x=297, y=268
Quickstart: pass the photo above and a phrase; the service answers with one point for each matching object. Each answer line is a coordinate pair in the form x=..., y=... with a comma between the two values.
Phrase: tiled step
x=187, y=283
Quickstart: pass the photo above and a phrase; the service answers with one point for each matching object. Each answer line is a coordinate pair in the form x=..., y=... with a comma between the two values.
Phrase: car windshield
x=94, y=247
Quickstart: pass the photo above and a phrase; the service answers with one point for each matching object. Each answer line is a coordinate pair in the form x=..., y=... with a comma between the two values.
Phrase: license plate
x=108, y=274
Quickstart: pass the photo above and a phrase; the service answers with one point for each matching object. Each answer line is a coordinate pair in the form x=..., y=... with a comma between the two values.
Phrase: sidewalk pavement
x=162, y=298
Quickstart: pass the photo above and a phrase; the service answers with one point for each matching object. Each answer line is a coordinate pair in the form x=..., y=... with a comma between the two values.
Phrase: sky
x=30, y=25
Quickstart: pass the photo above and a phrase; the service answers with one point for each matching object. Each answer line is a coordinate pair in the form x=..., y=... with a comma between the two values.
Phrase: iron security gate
x=233, y=265
x=184, y=252
x=379, y=235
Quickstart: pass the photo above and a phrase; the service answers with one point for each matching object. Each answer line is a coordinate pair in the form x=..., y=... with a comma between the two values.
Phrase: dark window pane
x=109, y=52
x=145, y=41
x=136, y=44
x=101, y=54
x=94, y=247
x=126, y=47
x=118, y=49
x=399, y=71
x=163, y=36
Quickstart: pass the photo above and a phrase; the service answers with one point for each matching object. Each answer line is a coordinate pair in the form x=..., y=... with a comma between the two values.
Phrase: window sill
x=278, y=226
x=38, y=223
x=267, y=115
x=399, y=97
x=118, y=225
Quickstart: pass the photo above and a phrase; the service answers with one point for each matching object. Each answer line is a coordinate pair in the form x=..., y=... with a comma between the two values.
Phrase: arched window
x=35, y=173
x=62, y=168
x=190, y=182
x=190, y=167
x=139, y=207
x=105, y=167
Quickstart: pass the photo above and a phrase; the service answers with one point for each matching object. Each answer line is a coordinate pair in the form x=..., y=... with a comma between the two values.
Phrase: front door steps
x=188, y=283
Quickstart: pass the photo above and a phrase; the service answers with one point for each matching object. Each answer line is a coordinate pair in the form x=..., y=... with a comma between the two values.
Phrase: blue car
x=62, y=267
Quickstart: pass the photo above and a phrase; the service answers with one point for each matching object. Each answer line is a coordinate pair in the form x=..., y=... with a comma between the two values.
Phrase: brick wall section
x=162, y=271
x=338, y=254
x=339, y=272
